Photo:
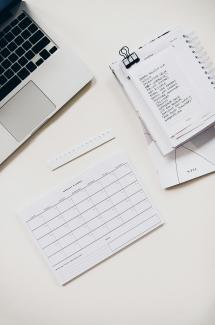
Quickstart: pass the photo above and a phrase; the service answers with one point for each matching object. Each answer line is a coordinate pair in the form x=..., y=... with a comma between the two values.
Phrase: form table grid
x=91, y=219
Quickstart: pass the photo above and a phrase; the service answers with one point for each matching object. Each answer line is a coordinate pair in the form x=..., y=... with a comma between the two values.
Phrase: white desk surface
x=165, y=278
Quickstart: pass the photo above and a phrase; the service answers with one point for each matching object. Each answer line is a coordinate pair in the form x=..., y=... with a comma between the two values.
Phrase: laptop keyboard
x=23, y=48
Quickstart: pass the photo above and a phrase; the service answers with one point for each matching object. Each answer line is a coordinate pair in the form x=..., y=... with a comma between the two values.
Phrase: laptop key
x=20, y=17
x=12, y=46
x=9, y=37
x=1, y=70
x=25, y=23
x=13, y=57
x=6, y=63
x=36, y=37
x=29, y=55
x=16, y=67
x=32, y=28
x=40, y=45
x=27, y=45
x=26, y=34
x=22, y=61
x=19, y=40
x=53, y=49
x=9, y=86
x=1, y=58
x=39, y=62
x=16, y=31
x=3, y=43
x=7, y=29
x=24, y=73
x=14, y=22
x=31, y=66
x=3, y=80
x=5, y=52
x=20, y=51
x=44, y=54
x=9, y=73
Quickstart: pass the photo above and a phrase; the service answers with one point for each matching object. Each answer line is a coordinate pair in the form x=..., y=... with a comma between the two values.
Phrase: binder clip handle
x=129, y=59
x=124, y=51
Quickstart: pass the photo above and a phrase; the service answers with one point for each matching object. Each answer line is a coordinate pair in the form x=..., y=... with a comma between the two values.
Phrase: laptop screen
x=7, y=4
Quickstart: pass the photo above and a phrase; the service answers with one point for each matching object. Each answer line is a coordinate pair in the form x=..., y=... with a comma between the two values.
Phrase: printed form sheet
x=91, y=218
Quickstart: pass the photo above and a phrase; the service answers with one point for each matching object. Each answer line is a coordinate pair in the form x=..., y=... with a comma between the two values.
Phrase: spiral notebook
x=177, y=89
x=193, y=159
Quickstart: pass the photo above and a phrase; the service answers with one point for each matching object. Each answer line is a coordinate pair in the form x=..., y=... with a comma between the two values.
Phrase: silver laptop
x=38, y=74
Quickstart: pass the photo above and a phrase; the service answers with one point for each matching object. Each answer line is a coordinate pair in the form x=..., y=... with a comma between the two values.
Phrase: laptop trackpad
x=24, y=112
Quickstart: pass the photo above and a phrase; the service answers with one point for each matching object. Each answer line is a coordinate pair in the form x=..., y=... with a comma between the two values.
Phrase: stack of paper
x=192, y=158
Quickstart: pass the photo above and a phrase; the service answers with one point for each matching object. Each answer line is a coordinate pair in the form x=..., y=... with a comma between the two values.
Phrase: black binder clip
x=129, y=59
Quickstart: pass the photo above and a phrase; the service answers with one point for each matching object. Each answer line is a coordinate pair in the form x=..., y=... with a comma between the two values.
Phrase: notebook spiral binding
x=201, y=55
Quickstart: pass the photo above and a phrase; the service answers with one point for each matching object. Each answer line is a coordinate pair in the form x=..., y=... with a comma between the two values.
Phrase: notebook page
x=171, y=96
x=166, y=90
x=145, y=52
x=91, y=218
